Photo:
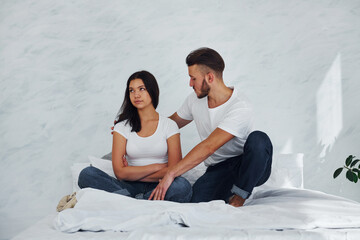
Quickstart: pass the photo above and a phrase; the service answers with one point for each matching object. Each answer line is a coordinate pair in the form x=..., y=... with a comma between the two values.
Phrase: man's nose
x=191, y=83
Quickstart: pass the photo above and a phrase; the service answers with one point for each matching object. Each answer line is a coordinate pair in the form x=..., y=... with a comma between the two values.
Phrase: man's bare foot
x=236, y=201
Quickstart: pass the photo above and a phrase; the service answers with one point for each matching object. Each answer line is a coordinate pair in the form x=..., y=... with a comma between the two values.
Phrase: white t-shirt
x=141, y=151
x=235, y=116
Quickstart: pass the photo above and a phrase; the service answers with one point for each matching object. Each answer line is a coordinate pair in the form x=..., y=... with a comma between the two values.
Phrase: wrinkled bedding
x=272, y=214
x=273, y=209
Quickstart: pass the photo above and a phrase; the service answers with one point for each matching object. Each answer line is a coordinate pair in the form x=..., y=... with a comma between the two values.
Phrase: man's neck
x=218, y=95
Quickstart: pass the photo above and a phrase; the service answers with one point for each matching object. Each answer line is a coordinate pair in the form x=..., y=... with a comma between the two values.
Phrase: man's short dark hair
x=208, y=57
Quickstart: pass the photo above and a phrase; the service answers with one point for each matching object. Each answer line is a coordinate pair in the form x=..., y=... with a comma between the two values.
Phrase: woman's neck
x=148, y=114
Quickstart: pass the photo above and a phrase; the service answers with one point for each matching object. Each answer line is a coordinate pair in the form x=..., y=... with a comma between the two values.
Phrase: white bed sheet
x=271, y=214
x=275, y=209
x=44, y=230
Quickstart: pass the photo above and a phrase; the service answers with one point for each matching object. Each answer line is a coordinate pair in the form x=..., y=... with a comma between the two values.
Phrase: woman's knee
x=182, y=184
x=86, y=175
x=180, y=190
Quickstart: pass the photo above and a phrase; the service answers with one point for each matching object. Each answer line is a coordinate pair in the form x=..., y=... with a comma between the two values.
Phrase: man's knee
x=202, y=191
x=258, y=140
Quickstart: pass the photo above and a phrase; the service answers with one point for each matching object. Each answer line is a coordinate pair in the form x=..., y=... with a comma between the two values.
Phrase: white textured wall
x=64, y=64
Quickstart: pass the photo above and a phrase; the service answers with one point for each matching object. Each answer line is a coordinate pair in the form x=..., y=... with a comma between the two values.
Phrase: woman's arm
x=174, y=156
x=130, y=173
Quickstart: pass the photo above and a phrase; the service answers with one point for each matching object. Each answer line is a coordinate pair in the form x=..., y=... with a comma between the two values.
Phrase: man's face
x=198, y=82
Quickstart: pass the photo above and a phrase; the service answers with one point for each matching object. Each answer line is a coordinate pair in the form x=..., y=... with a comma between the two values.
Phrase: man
x=237, y=159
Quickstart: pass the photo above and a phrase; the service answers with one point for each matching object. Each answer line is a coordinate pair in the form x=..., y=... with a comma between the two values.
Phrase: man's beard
x=205, y=89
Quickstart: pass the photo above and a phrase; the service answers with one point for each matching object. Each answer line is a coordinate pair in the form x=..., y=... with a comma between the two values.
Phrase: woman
x=150, y=142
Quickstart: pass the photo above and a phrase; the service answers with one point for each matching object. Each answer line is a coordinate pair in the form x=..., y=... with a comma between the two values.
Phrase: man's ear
x=211, y=77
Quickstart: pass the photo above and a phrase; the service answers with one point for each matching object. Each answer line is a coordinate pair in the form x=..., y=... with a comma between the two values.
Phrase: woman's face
x=139, y=96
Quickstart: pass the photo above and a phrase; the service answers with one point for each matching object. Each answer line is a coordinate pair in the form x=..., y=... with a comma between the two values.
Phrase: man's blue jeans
x=179, y=191
x=237, y=175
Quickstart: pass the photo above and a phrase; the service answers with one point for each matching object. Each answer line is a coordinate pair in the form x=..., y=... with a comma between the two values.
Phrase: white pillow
x=76, y=168
x=103, y=165
x=75, y=171
x=286, y=172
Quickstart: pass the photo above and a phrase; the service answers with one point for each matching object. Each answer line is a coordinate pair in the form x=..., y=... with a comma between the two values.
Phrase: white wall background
x=64, y=65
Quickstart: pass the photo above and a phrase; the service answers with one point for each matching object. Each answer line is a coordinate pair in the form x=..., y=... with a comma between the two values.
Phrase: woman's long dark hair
x=127, y=111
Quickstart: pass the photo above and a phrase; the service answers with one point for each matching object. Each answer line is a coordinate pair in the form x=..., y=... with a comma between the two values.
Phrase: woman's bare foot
x=236, y=201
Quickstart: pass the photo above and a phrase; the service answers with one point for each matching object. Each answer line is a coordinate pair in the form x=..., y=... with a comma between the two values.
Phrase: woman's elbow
x=120, y=175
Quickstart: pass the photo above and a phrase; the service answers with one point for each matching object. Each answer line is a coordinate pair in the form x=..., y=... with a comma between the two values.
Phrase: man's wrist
x=171, y=174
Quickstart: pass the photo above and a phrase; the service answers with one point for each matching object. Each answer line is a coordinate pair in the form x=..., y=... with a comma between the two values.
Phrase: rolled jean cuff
x=241, y=193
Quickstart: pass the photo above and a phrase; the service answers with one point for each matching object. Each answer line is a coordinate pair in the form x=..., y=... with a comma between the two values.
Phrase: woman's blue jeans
x=179, y=191
x=237, y=175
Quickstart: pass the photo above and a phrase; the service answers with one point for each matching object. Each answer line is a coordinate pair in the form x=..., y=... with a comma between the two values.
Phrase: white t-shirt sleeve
x=185, y=110
x=122, y=129
x=238, y=122
x=172, y=128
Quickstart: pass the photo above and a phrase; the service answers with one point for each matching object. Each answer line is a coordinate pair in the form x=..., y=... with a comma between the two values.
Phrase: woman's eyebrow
x=138, y=87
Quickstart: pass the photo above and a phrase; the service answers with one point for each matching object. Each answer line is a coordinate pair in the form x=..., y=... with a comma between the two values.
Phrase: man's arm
x=179, y=121
x=201, y=151
x=198, y=154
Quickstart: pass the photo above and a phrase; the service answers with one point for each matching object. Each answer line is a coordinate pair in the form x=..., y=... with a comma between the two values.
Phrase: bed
x=280, y=209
